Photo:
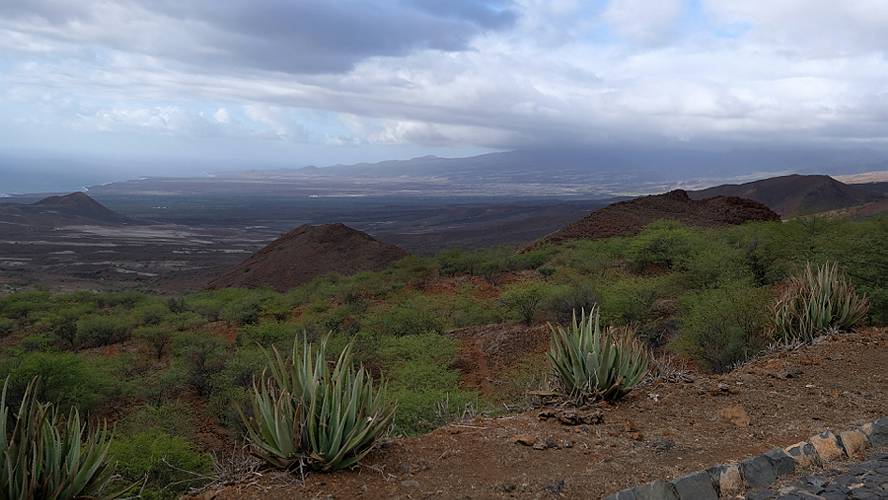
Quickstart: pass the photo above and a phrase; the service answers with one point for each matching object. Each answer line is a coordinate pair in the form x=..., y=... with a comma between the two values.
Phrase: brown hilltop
x=630, y=217
x=792, y=195
x=59, y=211
x=307, y=252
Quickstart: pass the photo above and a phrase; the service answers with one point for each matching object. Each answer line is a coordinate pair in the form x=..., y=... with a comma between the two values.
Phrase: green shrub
x=524, y=299
x=184, y=321
x=66, y=379
x=169, y=464
x=46, y=456
x=173, y=418
x=591, y=364
x=816, y=302
x=22, y=305
x=62, y=323
x=412, y=316
x=95, y=331
x=242, y=312
x=232, y=384
x=203, y=356
x=629, y=300
x=715, y=264
x=722, y=327
x=126, y=299
x=307, y=414
x=157, y=338
x=150, y=313
x=421, y=379
x=164, y=386
x=665, y=245
x=565, y=299
x=39, y=342
x=267, y=333
x=6, y=327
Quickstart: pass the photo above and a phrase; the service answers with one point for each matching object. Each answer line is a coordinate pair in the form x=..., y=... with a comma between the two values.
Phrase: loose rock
x=827, y=445
x=736, y=414
x=854, y=442
x=525, y=439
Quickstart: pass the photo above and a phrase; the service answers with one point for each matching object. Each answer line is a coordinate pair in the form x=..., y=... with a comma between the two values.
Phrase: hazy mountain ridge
x=596, y=173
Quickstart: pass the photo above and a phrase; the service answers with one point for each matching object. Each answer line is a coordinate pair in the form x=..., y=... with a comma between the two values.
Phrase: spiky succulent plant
x=45, y=456
x=818, y=300
x=306, y=413
x=591, y=364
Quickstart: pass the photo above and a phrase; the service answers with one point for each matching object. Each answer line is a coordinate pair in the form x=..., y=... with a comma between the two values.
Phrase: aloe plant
x=815, y=302
x=591, y=363
x=44, y=457
x=306, y=413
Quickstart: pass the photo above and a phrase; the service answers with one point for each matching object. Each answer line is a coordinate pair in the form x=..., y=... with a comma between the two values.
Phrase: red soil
x=661, y=430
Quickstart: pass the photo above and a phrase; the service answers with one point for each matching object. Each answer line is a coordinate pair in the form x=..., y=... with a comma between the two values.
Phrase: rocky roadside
x=762, y=471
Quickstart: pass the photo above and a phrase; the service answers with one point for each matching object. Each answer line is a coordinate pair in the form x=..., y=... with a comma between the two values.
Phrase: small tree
x=524, y=299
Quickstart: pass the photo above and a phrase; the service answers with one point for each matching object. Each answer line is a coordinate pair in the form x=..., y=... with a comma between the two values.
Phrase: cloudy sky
x=324, y=81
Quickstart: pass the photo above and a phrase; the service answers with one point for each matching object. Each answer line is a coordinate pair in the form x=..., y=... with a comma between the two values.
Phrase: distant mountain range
x=599, y=173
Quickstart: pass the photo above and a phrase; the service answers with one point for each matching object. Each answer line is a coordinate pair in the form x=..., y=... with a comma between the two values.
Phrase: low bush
x=565, y=299
x=231, y=385
x=168, y=465
x=23, y=305
x=163, y=386
x=414, y=315
x=66, y=379
x=663, y=245
x=157, y=338
x=174, y=418
x=267, y=334
x=95, y=331
x=524, y=299
x=242, y=312
x=722, y=327
x=203, y=356
x=592, y=364
x=816, y=302
x=422, y=382
x=6, y=326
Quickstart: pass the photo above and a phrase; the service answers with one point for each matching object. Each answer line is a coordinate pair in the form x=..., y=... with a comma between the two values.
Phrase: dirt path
x=660, y=431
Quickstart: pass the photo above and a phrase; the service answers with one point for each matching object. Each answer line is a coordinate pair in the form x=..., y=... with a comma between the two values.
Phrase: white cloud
x=644, y=21
x=734, y=72
x=221, y=116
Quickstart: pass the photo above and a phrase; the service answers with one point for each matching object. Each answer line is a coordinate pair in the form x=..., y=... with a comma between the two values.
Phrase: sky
x=143, y=82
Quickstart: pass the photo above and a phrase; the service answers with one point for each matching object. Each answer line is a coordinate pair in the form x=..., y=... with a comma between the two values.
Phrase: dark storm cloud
x=304, y=36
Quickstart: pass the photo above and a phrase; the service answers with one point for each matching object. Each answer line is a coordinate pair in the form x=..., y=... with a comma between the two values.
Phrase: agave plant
x=306, y=413
x=591, y=363
x=44, y=457
x=815, y=302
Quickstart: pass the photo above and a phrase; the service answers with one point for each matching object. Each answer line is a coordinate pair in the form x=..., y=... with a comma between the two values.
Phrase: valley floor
x=660, y=431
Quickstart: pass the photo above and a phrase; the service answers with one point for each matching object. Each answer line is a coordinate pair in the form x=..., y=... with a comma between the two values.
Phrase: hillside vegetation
x=172, y=371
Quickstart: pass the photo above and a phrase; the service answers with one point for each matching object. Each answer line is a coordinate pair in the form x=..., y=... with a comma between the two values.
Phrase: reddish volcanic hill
x=308, y=252
x=59, y=211
x=792, y=195
x=80, y=205
x=629, y=217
